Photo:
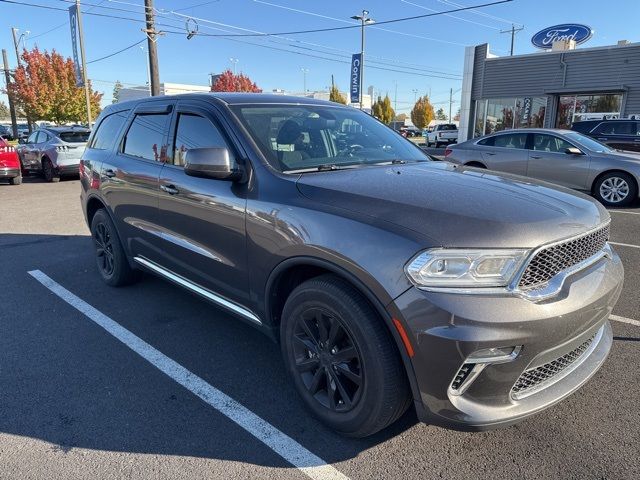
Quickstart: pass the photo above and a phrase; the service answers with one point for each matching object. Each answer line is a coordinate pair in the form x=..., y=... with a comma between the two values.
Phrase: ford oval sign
x=569, y=31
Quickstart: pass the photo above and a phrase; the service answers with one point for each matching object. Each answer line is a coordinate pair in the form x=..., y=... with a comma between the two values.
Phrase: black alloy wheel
x=328, y=360
x=104, y=250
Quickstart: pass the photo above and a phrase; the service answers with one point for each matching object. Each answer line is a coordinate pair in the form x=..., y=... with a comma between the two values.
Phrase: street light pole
x=364, y=21
x=14, y=32
x=234, y=62
x=304, y=79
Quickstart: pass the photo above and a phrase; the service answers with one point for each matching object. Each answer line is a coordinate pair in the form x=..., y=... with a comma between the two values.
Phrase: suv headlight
x=465, y=268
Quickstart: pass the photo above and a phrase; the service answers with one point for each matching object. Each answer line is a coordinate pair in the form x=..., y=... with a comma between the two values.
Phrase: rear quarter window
x=108, y=129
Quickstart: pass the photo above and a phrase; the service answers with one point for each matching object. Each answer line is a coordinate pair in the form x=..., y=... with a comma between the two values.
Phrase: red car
x=9, y=163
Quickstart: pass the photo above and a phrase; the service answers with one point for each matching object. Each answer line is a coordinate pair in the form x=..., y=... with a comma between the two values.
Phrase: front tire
x=341, y=358
x=616, y=189
x=111, y=259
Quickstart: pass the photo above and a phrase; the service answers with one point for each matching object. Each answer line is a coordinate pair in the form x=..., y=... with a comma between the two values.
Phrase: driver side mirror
x=573, y=151
x=211, y=162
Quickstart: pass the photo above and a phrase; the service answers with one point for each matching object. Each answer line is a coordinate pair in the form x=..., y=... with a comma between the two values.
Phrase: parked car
x=23, y=131
x=9, y=164
x=444, y=133
x=388, y=279
x=618, y=134
x=54, y=152
x=6, y=132
x=563, y=157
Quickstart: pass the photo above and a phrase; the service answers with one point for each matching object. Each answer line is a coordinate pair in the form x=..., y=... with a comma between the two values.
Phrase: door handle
x=170, y=189
x=490, y=153
x=537, y=157
x=109, y=173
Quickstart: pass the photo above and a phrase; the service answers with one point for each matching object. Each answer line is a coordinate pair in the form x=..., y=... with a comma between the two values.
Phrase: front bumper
x=445, y=329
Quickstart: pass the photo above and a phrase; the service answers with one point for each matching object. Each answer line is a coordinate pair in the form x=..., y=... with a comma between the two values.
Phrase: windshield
x=317, y=137
x=74, y=137
x=588, y=142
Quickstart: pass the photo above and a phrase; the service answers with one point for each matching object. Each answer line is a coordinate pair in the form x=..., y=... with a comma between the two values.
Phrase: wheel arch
x=476, y=164
x=612, y=170
x=293, y=271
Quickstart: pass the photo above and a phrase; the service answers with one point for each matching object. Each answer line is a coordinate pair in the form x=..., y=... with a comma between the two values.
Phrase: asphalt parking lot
x=82, y=398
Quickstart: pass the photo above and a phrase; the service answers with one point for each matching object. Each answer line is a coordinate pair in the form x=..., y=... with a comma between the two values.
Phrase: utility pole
x=450, y=102
x=513, y=30
x=415, y=93
x=12, y=109
x=152, y=36
x=234, y=62
x=364, y=21
x=87, y=94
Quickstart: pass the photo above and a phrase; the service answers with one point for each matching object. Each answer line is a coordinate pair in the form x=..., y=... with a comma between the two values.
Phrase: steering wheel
x=353, y=148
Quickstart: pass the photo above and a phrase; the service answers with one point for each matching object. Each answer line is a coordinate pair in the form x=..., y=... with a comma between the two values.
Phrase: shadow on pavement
x=66, y=381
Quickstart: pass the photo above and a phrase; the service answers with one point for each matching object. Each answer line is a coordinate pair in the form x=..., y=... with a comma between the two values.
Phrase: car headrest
x=289, y=132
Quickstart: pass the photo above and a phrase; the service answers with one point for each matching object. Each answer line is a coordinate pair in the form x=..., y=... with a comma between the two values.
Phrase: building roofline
x=549, y=52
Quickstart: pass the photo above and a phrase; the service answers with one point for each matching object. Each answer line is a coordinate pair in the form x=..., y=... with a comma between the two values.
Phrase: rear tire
x=49, y=172
x=616, y=189
x=111, y=260
x=341, y=358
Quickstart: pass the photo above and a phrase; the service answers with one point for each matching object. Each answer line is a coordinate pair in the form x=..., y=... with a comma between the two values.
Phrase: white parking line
x=624, y=320
x=622, y=211
x=625, y=244
x=294, y=453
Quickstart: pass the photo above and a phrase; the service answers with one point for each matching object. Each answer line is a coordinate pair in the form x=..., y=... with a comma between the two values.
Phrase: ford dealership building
x=552, y=88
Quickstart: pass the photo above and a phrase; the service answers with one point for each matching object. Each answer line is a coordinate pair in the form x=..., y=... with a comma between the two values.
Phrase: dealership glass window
x=494, y=115
x=574, y=108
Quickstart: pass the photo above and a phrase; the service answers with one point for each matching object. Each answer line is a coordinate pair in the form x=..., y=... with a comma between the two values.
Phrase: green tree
x=382, y=109
x=45, y=88
x=4, y=110
x=422, y=112
x=336, y=96
x=116, y=92
x=440, y=115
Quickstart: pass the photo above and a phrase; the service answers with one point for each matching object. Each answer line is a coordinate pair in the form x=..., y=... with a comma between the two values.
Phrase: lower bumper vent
x=537, y=378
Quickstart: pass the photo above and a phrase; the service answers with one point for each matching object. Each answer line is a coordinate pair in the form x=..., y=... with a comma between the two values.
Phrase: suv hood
x=458, y=206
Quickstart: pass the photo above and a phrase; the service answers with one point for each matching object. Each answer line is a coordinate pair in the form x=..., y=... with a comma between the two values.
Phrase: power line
x=448, y=15
x=119, y=51
x=31, y=37
x=350, y=27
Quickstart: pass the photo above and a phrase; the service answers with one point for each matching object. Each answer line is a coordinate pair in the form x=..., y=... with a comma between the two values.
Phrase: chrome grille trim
x=538, y=378
x=550, y=260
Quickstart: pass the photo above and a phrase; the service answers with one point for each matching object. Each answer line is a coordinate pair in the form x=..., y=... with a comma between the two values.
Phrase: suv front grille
x=550, y=261
x=535, y=378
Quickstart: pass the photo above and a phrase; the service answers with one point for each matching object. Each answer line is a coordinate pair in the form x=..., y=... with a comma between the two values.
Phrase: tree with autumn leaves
x=44, y=87
x=228, y=82
x=422, y=112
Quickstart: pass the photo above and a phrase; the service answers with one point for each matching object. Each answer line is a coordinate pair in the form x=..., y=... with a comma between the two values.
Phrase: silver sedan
x=563, y=157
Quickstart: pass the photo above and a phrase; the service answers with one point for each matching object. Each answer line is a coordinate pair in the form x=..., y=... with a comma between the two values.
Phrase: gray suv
x=388, y=279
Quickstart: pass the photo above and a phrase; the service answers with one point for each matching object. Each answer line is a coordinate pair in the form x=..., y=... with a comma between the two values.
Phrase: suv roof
x=231, y=98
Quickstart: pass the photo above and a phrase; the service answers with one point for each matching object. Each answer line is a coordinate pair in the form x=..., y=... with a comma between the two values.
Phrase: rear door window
x=145, y=137
x=513, y=140
x=108, y=130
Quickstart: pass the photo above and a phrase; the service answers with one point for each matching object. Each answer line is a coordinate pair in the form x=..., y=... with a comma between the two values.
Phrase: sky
x=414, y=57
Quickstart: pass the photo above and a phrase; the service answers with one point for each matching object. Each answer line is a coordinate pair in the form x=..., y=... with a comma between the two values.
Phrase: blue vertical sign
x=73, y=22
x=356, y=65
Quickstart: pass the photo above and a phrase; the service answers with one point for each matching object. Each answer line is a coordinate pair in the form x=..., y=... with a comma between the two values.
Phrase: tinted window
x=583, y=127
x=108, y=130
x=514, y=140
x=448, y=127
x=145, y=137
x=616, y=128
x=487, y=142
x=297, y=137
x=194, y=131
x=550, y=143
x=32, y=138
x=74, y=137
